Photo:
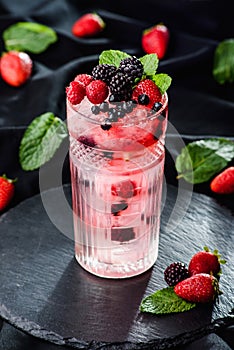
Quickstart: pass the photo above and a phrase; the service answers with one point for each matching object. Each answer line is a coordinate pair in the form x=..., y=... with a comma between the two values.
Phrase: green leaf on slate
x=200, y=160
x=40, y=140
x=28, y=36
x=112, y=57
x=162, y=80
x=165, y=301
x=223, y=68
x=150, y=63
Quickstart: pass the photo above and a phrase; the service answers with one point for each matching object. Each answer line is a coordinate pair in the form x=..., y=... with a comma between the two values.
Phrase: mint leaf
x=28, y=36
x=162, y=80
x=165, y=301
x=112, y=57
x=40, y=141
x=150, y=63
x=223, y=67
x=200, y=160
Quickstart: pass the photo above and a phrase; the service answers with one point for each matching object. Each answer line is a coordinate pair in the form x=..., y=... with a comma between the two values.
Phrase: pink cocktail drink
x=117, y=175
x=117, y=119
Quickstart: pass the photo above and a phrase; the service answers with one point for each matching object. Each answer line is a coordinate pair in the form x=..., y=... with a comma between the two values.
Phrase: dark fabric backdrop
x=198, y=106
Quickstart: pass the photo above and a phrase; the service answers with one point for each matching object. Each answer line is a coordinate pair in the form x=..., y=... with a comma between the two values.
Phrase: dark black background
x=198, y=106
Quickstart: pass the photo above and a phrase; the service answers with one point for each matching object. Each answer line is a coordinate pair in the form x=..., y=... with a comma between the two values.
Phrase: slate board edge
x=33, y=329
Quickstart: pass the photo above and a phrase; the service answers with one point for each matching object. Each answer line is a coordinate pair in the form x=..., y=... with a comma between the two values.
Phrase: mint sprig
x=223, y=67
x=112, y=57
x=150, y=65
x=162, y=80
x=28, y=36
x=41, y=140
x=200, y=160
x=165, y=301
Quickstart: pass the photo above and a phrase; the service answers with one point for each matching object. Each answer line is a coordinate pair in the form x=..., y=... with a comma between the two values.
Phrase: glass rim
x=120, y=123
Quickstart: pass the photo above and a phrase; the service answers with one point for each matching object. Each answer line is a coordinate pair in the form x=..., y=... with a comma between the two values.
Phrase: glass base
x=116, y=271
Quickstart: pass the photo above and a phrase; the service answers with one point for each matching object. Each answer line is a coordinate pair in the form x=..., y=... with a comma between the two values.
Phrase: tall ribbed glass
x=117, y=174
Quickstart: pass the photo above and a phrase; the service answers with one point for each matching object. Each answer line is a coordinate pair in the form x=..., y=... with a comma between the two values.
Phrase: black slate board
x=44, y=290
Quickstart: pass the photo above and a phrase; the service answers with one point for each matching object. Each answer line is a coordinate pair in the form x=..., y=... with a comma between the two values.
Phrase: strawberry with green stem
x=206, y=262
x=155, y=40
x=200, y=288
x=223, y=183
x=7, y=188
x=88, y=25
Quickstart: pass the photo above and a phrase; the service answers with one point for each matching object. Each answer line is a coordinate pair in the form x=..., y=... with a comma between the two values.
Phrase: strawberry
x=15, y=67
x=147, y=88
x=200, y=288
x=97, y=91
x=155, y=40
x=88, y=25
x=224, y=182
x=205, y=262
x=7, y=189
x=75, y=92
x=85, y=79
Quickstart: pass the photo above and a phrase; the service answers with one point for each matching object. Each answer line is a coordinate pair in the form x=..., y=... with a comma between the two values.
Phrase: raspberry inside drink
x=117, y=174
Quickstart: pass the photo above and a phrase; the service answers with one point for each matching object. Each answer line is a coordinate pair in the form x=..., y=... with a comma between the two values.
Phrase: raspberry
x=122, y=234
x=120, y=87
x=97, y=91
x=75, y=92
x=104, y=72
x=124, y=189
x=85, y=79
x=149, y=88
x=175, y=273
x=132, y=68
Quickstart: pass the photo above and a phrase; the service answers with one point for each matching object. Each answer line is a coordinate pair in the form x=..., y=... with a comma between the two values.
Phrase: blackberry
x=108, y=154
x=104, y=107
x=113, y=115
x=87, y=141
x=120, y=88
x=107, y=125
x=143, y=99
x=175, y=273
x=104, y=72
x=122, y=234
x=132, y=68
x=116, y=208
x=95, y=109
x=157, y=106
x=113, y=98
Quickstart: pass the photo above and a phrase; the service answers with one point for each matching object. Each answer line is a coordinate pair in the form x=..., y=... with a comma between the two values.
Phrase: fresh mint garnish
x=200, y=160
x=165, y=301
x=223, y=68
x=112, y=57
x=40, y=140
x=162, y=80
x=28, y=36
x=150, y=63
